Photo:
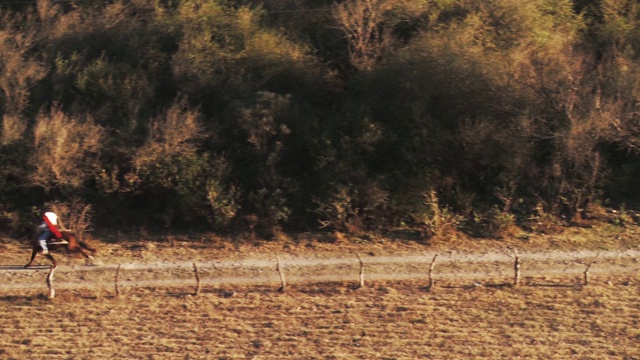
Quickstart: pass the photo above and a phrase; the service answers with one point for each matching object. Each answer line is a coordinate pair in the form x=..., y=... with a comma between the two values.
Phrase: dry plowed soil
x=571, y=296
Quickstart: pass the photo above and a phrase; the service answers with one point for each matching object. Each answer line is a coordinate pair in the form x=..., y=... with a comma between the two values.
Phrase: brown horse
x=69, y=242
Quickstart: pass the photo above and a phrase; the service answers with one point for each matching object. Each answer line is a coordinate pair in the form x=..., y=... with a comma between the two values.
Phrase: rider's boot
x=43, y=245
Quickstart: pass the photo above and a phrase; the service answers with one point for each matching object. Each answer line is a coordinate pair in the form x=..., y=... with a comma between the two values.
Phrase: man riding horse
x=64, y=239
x=47, y=230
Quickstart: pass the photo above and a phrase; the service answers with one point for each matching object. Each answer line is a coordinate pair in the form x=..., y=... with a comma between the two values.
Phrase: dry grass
x=328, y=321
x=548, y=317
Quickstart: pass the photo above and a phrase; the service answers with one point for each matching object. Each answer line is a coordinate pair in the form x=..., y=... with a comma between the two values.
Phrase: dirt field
x=472, y=312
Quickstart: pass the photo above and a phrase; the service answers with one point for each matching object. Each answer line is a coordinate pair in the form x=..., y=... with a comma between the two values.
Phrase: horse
x=68, y=241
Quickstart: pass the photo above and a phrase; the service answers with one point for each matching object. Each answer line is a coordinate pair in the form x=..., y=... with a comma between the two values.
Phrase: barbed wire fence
x=453, y=271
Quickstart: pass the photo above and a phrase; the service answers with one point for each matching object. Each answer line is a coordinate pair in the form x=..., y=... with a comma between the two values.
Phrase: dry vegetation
x=550, y=316
x=327, y=321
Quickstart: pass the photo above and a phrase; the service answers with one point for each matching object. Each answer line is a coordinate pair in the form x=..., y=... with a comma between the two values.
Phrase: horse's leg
x=86, y=256
x=74, y=247
x=52, y=259
x=86, y=247
x=34, y=252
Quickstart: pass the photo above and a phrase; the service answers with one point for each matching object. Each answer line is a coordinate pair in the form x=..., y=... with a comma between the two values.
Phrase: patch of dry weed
x=327, y=321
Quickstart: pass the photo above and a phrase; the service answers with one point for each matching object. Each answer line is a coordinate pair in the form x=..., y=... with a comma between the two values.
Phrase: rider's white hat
x=53, y=218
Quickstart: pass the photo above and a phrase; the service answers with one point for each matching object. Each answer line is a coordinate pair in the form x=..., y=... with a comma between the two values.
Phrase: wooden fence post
x=361, y=271
x=431, y=267
x=52, y=291
x=516, y=268
x=116, y=280
x=195, y=270
x=586, y=271
x=283, y=282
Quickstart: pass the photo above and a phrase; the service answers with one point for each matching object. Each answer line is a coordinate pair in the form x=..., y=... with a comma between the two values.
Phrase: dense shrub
x=352, y=115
